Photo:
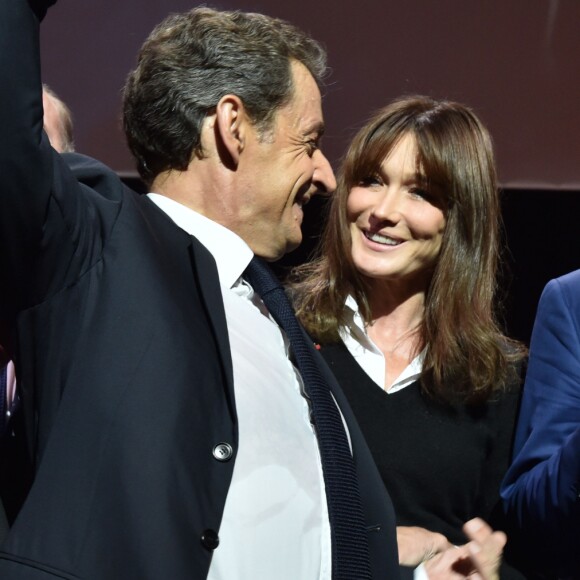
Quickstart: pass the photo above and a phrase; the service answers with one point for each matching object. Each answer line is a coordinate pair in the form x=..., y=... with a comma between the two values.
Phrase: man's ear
x=231, y=125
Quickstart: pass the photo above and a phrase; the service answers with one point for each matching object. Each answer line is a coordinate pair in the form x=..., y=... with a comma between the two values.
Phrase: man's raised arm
x=25, y=163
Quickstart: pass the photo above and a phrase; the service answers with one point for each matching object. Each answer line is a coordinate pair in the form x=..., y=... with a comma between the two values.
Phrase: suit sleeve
x=20, y=146
x=49, y=226
x=540, y=490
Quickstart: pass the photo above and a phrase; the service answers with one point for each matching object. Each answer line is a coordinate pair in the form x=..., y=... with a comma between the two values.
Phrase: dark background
x=516, y=62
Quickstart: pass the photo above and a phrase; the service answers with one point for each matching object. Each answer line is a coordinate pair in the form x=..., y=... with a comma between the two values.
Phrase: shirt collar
x=354, y=332
x=369, y=356
x=231, y=253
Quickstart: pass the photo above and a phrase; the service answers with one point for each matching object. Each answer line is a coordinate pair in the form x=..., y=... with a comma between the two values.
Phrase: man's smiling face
x=288, y=168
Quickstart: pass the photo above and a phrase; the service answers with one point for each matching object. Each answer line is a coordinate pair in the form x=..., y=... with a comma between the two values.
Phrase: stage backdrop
x=516, y=62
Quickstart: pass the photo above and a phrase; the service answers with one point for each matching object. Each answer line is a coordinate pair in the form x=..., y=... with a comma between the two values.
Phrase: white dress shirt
x=369, y=356
x=275, y=523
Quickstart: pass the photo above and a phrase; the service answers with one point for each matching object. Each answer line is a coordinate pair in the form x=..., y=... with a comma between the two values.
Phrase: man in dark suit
x=542, y=487
x=58, y=125
x=169, y=430
x=131, y=346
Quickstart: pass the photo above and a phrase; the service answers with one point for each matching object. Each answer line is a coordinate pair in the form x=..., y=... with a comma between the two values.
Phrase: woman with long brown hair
x=401, y=300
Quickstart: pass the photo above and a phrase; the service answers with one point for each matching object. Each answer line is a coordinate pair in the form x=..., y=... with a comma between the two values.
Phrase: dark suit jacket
x=119, y=335
x=542, y=488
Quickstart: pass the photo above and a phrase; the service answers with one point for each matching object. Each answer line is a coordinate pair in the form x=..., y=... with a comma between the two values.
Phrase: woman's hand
x=418, y=544
x=486, y=549
x=479, y=559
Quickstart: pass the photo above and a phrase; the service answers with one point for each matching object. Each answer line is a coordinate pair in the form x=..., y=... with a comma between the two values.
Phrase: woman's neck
x=395, y=327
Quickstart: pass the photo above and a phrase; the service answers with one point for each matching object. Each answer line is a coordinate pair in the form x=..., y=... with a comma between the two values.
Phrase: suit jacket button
x=223, y=451
x=210, y=540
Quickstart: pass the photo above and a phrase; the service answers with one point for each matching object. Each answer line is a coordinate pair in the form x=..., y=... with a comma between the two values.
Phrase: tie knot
x=262, y=279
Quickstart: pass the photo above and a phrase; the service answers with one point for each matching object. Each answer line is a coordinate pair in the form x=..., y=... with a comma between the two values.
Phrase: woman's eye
x=370, y=180
x=420, y=193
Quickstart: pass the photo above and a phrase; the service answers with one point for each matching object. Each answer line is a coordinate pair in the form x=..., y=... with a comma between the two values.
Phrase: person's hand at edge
x=418, y=544
x=479, y=559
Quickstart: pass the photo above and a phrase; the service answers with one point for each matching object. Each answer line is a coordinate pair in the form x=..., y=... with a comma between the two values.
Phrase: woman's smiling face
x=396, y=224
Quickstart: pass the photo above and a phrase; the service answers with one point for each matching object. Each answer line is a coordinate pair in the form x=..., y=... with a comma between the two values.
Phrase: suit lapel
x=207, y=280
x=205, y=271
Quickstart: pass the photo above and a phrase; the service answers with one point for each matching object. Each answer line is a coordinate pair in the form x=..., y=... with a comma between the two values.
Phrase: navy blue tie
x=350, y=552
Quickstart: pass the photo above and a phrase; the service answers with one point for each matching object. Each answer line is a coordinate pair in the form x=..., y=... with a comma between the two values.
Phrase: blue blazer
x=541, y=488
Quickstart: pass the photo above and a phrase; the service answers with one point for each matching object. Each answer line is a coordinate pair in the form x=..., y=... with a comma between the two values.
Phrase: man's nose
x=323, y=174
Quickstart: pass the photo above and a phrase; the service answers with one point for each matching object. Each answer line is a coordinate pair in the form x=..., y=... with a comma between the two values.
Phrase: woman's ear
x=230, y=129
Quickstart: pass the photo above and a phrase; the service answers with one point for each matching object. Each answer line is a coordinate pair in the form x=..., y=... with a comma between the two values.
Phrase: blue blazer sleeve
x=541, y=488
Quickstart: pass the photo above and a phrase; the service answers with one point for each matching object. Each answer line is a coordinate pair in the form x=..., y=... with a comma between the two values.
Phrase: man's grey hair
x=190, y=61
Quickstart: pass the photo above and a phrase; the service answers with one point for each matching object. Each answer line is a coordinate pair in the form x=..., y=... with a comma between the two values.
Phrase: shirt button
x=210, y=540
x=223, y=451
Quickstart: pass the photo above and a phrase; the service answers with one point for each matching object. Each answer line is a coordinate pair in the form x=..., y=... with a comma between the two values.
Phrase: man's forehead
x=305, y=111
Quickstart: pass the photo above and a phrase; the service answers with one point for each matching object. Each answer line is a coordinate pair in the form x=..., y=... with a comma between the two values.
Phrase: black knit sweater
x=442, y=464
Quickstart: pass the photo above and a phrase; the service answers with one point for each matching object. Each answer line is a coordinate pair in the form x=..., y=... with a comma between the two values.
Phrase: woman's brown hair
x=467, y=356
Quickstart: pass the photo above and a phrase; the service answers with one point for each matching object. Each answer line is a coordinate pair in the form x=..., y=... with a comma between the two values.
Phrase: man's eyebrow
x=317, y=128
